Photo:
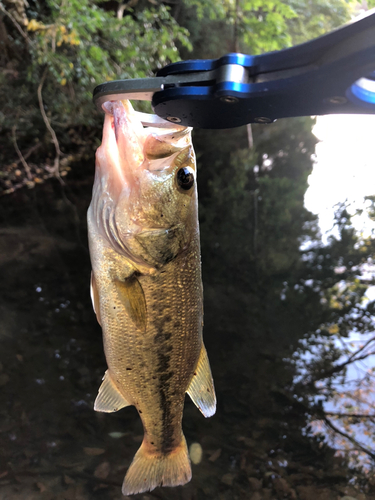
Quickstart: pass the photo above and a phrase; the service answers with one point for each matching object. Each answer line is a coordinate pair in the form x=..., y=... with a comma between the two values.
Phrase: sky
x=344, y=169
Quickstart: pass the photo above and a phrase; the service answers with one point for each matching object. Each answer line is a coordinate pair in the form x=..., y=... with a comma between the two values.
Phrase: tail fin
x=147, y=471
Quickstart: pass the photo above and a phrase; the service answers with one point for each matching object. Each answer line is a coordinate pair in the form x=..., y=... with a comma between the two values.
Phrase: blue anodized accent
x=207, y=64
x=363, y=91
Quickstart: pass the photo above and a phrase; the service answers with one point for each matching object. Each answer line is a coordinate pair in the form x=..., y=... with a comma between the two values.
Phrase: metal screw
x=228, y=99
x=173, y=119
x=262, y=119
x=337, y=99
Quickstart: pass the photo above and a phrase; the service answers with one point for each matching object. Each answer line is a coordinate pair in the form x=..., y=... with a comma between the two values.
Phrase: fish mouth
x=128, y=146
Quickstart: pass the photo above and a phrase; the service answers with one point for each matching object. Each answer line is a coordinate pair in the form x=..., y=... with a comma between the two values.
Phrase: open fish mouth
x=129, y=143
x=152, y=124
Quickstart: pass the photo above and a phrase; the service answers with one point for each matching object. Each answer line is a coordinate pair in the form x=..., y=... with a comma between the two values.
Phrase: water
x=54, y=446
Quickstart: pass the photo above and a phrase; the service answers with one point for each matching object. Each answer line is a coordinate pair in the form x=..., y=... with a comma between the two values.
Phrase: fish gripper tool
x=332, y=74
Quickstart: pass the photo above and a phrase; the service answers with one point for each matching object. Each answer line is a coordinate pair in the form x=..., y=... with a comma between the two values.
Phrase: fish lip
x=130, y=139
x=150, y=122
x=148, y=119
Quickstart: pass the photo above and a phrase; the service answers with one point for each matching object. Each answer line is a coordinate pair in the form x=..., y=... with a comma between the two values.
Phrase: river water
x=52, y=443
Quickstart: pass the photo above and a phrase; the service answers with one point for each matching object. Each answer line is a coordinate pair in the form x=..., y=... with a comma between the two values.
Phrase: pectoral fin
x=95, y=297
x=109, y=398
x=201, y=388
x=132, y=297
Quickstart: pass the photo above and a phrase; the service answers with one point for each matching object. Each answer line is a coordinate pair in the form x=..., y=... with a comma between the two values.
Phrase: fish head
x=146, y=180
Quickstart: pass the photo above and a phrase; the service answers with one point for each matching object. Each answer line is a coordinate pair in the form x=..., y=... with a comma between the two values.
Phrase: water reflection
x=53, y=445
x=345, y=395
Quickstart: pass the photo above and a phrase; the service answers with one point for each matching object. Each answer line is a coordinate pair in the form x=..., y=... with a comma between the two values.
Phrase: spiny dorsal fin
x=201, y=388
x=109, y=398
x=95, y=297
x=133, y=299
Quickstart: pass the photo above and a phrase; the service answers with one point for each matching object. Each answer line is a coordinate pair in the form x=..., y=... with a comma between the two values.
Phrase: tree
x=257, y=26
x=334, y=361
x=54, y=53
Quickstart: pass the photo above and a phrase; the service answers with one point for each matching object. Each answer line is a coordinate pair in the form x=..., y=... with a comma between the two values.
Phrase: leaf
x=41, y=486
x=117, y=435
x=215, y=455
x=102, y=470
x=93, y=452
x=68, y=479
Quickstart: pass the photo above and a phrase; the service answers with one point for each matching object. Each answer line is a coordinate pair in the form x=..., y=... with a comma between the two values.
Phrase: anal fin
x=109, y=398
x=201, y=388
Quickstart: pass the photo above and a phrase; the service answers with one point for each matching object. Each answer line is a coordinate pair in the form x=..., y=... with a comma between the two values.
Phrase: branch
x=16, y=24
x=235, y=28
x=351, y=359
x=363, y=347
x=30, y=152
x=124, y=6
x=344, y=415
x=358, y=399
x=250, y=139
x=20, y=156
x=346, y=436
x=56, y=166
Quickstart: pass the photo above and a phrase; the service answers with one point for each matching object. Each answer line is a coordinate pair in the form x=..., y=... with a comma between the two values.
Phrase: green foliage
x=84, y=45
x=253, y=26
x=68, y=48
x=262, y=25
x=316, y=18
x=209, y=9
x=257, y=26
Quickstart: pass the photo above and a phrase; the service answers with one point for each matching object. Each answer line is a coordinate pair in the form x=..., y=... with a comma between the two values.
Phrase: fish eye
x=185, y=178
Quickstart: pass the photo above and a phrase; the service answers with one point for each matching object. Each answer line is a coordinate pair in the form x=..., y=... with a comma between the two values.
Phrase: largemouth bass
x=146, y=289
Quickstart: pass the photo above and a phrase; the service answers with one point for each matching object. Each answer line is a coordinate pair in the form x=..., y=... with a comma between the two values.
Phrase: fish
x=146, y=288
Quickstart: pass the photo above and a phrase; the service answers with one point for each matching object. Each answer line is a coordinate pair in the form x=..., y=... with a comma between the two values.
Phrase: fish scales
x=147, y=289
x=163, y=360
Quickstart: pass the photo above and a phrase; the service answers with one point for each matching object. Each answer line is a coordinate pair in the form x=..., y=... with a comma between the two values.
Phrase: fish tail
x=149, y=470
